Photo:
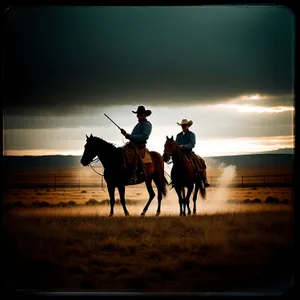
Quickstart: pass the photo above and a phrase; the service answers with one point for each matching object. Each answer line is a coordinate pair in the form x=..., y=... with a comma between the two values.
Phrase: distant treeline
x=55, y=162
x=253, y=161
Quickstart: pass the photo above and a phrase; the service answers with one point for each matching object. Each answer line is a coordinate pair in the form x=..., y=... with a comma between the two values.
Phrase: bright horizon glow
x=246, y=108
x=241, y=146
x=262, y=109
x=225, y=137
x=204, y=148
x=253, y=97
x=41, y=152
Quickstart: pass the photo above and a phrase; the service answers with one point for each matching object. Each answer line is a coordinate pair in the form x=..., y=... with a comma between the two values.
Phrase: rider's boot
x=206, y=184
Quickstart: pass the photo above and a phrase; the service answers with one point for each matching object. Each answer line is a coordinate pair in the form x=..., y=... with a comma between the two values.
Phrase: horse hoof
x=143, y=213
x=157, y=214
x=127, y=214
x=189, y=213
x=194, y=213
x=110, y=215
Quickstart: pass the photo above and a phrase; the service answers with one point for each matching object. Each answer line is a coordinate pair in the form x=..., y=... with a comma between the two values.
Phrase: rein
x=95, y=161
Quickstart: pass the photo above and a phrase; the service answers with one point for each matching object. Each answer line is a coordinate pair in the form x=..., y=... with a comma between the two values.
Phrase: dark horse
x=183, y=176
x=116, y=175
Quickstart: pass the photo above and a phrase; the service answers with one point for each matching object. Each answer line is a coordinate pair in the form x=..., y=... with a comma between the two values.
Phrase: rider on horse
x=138, y=137
x=186, y=141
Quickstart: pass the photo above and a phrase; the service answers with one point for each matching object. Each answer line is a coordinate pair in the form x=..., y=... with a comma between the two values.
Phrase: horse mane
x=104, y=141
x=108, y=151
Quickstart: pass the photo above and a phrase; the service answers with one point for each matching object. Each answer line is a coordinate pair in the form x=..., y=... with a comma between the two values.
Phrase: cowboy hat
x=186, y=122
x=141, y=110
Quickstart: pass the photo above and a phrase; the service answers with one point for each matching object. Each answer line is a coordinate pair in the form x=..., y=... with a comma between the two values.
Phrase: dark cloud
x=60, y=59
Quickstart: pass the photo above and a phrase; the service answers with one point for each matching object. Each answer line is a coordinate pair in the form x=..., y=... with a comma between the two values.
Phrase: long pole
x=112, y=121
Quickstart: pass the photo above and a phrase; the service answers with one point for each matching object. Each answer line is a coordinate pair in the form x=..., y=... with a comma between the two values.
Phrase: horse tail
x=202, y=191
x=159, y=177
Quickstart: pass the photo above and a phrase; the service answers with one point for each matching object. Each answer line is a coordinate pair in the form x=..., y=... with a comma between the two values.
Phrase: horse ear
x=167, y=137
x=171, y=137
x=91, y=136
x=87, y=137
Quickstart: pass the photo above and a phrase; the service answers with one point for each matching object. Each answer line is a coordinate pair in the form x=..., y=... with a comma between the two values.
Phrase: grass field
x=207, y=253
x=234, y=243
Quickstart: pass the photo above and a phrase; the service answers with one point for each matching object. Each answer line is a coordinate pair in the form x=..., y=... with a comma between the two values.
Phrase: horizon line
x=242, y=154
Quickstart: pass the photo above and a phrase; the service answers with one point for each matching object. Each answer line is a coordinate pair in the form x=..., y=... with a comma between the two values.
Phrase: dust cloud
x=217, y=196
x=222, y=189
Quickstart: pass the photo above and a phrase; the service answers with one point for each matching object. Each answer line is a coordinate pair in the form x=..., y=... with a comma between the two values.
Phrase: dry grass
x=234, y=243
x=199, y=253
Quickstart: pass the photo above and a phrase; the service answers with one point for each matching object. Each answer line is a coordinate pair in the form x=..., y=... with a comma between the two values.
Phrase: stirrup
x=132, y=179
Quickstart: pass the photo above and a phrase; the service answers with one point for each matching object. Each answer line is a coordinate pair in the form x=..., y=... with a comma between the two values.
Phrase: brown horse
x=183, y=176
x=116, y=175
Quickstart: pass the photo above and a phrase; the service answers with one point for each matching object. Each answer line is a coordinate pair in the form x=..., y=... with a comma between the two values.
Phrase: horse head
x=169, y=148
x=90, y=150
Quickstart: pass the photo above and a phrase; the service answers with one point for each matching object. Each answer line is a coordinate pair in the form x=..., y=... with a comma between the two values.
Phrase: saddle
x=145, y=155
x=130, y=154
x=196, y=159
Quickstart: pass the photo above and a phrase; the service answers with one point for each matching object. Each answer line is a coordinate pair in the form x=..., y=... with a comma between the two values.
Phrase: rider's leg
x=196, y=164
x=201, y=170
x=133, y=178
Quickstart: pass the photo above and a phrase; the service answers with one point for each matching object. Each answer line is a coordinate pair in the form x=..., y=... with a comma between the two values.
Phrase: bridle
x=95, y=160
x=92, y=164
x=170, y=154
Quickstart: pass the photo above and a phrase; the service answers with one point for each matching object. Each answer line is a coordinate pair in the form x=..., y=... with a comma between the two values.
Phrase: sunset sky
x=230, y=69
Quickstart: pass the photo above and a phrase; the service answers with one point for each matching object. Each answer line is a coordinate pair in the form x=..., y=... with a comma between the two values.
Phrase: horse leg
x=183, y=200
x=160, y=194
x=151, y=196
x=187, y=199
x=111, y=191
x=180, y=200
x=195, y=197
x=121, y=189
